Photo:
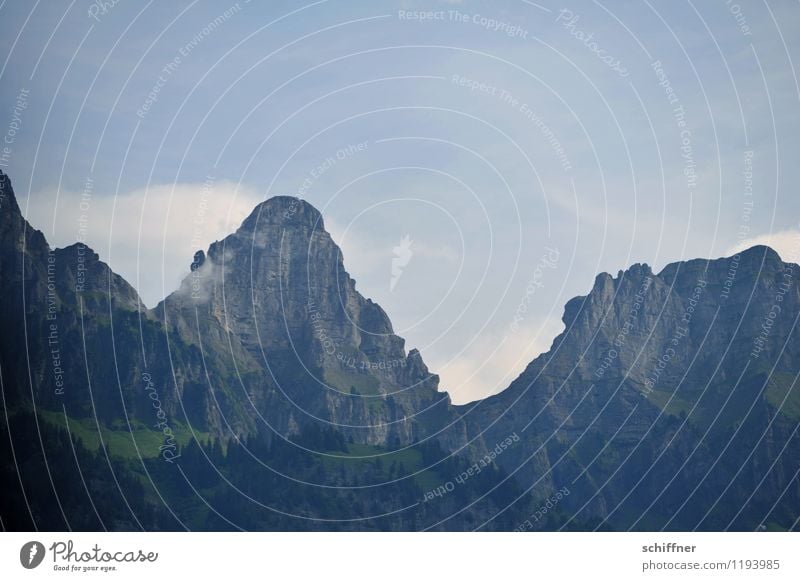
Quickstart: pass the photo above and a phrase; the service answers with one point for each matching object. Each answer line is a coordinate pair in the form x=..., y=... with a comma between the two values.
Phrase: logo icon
x=31, y=554
x=402, y=256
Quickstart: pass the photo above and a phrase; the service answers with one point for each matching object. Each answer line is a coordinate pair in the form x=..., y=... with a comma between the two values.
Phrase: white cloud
x=494, y=360
x=148, y=236
x=785, y=242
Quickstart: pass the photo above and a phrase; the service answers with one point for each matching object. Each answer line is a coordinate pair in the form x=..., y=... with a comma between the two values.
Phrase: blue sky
x=521, y=147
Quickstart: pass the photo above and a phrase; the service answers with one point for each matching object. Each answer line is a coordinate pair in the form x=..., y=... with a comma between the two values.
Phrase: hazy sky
x=501, y=153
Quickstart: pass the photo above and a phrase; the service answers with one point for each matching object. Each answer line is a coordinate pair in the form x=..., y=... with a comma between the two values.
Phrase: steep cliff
x=669, y=400
x=276, y=297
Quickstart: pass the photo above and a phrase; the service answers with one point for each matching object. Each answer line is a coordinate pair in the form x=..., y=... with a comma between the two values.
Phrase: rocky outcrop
x=664, y=392
x=276, y=296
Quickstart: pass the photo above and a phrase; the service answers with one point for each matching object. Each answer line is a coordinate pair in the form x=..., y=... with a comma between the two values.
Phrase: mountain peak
x=753, y=260
x=284, y=211
x=759, y=251
x=8, y=201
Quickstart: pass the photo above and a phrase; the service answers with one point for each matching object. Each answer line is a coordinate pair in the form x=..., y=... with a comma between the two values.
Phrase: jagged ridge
x=656, y=377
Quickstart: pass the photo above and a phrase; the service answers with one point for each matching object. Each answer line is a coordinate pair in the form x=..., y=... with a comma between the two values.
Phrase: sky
x=479, y=163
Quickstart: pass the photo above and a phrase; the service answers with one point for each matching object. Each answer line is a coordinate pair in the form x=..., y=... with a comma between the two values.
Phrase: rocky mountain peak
x=8, y=201
x=279, y=290
x=12, y=221
x=283, y=212
x=753, y=261
x=81, y=274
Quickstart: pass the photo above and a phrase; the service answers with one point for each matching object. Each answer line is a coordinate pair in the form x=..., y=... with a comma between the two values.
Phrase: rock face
x=276, y=298
x=669, y=400
x=54, y=300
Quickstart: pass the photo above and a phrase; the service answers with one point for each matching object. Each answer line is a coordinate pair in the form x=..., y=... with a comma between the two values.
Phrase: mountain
x=267, y=393
x=276, y=298
x=669, y=401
